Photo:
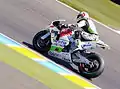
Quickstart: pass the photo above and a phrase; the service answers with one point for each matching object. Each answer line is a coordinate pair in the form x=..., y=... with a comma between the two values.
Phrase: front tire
x=96, y=70
x=39, y=44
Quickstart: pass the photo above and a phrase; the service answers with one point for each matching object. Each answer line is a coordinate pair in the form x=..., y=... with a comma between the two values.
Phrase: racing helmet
x=82, y=15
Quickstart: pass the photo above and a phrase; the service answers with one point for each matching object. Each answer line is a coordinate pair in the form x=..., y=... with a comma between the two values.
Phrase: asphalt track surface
x=21, y=19
x=14, y=79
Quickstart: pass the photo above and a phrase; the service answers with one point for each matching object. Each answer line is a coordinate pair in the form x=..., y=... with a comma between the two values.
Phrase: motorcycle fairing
x=56, y=48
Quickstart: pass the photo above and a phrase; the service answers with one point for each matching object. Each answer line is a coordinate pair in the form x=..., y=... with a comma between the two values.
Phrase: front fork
x=45, y=36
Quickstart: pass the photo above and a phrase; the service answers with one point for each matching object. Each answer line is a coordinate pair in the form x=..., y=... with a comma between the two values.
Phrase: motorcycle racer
x=89, y=34
x=71, y=43
x=87, y=38
x=84, y=21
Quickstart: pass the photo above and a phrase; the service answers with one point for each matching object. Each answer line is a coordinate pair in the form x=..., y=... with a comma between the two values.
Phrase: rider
x=88, y=34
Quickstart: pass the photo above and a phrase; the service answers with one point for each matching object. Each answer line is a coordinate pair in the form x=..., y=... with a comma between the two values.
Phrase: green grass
x=34, y=70
x=104, y=11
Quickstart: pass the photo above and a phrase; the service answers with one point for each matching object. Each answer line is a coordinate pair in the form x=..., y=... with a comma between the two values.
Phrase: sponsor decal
x=61, y=43
x=86, y=45
x=62, y=55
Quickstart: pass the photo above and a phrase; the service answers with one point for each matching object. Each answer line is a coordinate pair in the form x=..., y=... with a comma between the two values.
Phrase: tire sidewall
x=35, y=39
x=98, y=71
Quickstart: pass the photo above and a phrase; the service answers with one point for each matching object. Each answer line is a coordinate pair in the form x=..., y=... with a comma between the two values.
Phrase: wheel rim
x=94, y=66
x=40, y=43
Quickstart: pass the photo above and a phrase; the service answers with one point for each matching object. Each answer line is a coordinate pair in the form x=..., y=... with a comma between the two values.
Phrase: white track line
x=91, y=18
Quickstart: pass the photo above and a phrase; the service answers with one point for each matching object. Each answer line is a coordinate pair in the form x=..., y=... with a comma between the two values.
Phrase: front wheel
x=39, y=44
x=95, y=68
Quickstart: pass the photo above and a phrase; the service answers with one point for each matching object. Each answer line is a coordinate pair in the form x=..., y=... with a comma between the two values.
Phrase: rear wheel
x=95, y=68
x=39, y=44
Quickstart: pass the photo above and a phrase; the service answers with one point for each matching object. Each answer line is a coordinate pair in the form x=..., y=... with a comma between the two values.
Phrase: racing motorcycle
x=89, y=63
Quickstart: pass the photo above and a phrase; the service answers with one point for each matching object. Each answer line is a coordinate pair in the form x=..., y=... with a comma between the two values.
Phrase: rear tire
x=95, y=72
x=39, y=44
